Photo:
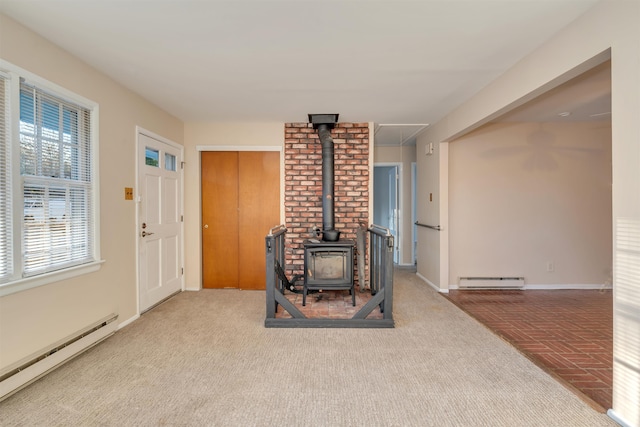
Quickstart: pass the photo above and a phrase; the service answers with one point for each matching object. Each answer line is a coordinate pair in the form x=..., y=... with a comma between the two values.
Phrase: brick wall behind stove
x=303, y=183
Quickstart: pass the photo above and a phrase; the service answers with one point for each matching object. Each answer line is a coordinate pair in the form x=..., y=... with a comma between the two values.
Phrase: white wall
x=609, y=29
x=34, y=319
x=431, y=194
x=522, y=195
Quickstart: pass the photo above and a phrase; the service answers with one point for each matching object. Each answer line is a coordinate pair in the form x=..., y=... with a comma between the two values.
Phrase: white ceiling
x=388, y=62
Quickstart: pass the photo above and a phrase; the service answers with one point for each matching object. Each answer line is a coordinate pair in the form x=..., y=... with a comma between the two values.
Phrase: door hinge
x=181, y=218
x=181, y=165
x=182, y=271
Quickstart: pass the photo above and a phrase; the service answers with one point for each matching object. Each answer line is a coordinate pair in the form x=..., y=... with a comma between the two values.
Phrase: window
x=47, y=215
x=6, y=259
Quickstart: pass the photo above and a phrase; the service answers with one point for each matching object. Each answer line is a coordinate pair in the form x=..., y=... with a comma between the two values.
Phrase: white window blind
x=6, y=258
x=55, y=168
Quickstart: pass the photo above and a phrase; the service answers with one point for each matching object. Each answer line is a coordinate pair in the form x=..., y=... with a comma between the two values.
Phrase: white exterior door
x=159, y=220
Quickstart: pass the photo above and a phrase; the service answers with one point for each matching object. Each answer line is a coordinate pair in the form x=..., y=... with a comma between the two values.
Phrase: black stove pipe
x=323, y=123
x=328, y=177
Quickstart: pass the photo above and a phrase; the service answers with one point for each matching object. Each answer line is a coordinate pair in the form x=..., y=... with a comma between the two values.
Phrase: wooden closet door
x=219, y=186
x=259, y=211
x=240, y=203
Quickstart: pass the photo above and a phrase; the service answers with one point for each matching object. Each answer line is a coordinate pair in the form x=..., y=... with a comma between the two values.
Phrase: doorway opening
x=386, y=201
x=504, y=180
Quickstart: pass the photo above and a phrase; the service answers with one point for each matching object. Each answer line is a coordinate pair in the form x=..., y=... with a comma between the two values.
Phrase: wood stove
x=328, y=266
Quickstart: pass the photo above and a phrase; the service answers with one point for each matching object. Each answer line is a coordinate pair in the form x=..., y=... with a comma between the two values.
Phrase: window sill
x=44, y=279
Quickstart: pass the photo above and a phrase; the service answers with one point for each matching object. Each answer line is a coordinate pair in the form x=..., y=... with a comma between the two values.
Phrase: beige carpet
x=205, y=359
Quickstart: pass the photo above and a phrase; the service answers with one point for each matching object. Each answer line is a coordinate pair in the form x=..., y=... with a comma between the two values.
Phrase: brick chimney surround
x=303, y=184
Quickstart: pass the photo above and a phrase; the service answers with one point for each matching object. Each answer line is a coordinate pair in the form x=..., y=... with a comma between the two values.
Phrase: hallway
x=568, y=333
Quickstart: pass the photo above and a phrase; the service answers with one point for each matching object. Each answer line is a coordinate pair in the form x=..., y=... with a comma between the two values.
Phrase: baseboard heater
x=491, y=283
x=29, y=369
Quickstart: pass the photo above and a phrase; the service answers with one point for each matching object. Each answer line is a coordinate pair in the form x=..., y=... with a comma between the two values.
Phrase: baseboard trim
x=615, y=417
x=430, y=283
x=128, y=321
x=550, y=287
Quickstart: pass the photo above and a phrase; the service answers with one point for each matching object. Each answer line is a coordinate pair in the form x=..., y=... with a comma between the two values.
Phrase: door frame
x=137, y=199
x=414, y=217
x=400, y=208
x=235, y=148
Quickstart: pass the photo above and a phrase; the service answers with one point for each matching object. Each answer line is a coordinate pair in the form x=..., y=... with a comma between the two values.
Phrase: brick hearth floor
x=569, y=333
x=330, y=304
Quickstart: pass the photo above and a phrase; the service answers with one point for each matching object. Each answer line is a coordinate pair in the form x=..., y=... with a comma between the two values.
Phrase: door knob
x=146, y=233
x=206, y=226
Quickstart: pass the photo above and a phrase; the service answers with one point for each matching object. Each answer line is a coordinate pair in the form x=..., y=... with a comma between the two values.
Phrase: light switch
x=428, y=149
x=128, y=193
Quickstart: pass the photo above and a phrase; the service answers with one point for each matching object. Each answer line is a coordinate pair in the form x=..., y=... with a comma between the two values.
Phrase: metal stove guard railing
x=380, y=281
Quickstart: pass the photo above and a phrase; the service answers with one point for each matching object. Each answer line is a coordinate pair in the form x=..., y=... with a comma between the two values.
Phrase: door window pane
x=152, y=157
x=169, y=162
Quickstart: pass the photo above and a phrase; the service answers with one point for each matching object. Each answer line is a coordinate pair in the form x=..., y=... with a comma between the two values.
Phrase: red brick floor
x=569, y=333
x=329, y=304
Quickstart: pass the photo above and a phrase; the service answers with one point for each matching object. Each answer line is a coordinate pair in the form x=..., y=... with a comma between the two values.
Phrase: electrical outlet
x=550, y=266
